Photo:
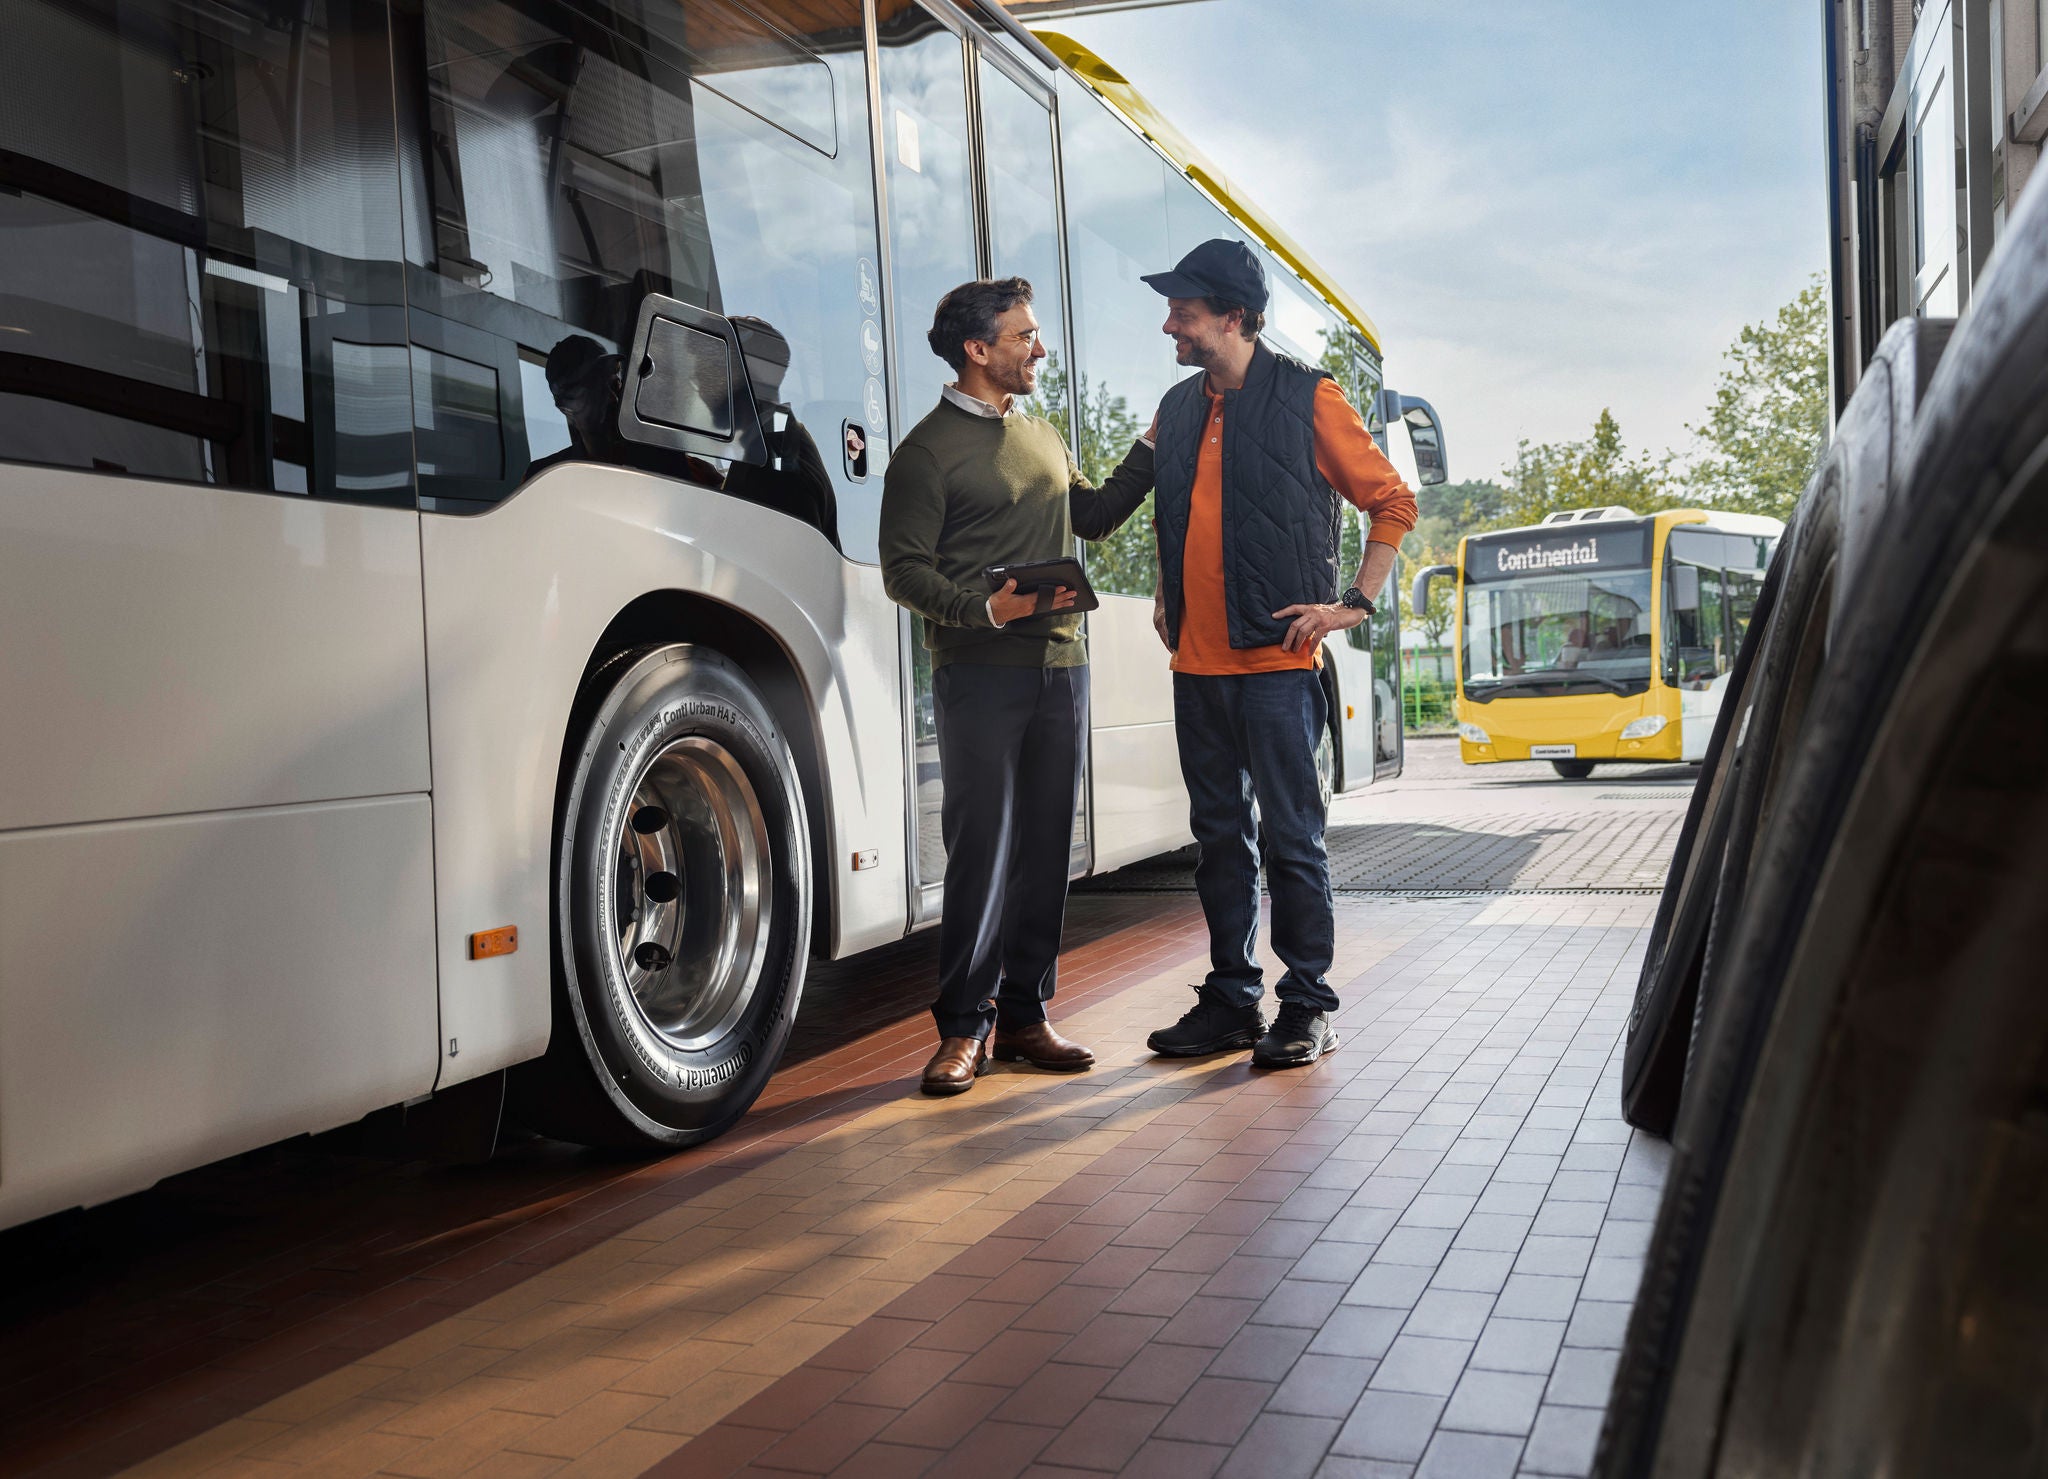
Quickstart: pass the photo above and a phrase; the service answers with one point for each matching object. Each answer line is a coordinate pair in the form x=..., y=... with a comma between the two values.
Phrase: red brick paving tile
x=970, y=1327
x=1279, y=1239
x=1067, y=1308
x=1300, y=1302
x=1011, y=1357
x=1192, y=1197
x=1262, y=1352
x=1199, y=1253
x=1158, y=1294
x=1114, y=1267
x=1105, y=1434
x=1208, y=1320
x=903, y=1378
x=1279, y=1446
x=1248, y=1277
x=1164, y=1458
x=887, y=1461
x=1242, y=1218
x=934, y=1297
x=993, y=1450
x=991, y=1257
x=1226, y=1167
x=943, y=1416
x=1081, y=1190
x=1028, y=1281
x=717, y=1453
x=1040, y=1220
x=791, y=1399
x=1216, y=1410
x=1054, y=1394
x=830, y=1437
x=1118, y=1208
x=1076, y=1243
x=1158, y=1229
x=1111, y=1340
x=1160, y=1373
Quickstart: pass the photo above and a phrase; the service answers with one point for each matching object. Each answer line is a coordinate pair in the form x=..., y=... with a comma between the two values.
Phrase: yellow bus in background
x=1601, y=634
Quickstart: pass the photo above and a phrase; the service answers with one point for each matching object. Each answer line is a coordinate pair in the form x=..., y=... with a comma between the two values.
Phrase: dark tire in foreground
x=1661, y=1018
x=682, y=906
x=1572, y=770
x=1845, y=1277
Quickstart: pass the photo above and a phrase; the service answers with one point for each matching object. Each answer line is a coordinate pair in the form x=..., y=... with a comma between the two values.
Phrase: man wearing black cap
x=1254, y=461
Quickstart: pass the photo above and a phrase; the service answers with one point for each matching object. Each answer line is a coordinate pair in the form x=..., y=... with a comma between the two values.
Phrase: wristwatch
x=1355, y=599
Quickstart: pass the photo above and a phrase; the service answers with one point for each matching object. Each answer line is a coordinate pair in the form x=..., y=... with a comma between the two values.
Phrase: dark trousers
x=1010, y=761
x=1246, y=735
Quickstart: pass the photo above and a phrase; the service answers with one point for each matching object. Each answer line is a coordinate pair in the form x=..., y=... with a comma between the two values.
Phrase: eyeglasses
x=1026, y=337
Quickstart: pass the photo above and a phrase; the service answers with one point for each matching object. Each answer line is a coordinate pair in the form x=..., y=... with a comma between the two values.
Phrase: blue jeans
x=1246, y=735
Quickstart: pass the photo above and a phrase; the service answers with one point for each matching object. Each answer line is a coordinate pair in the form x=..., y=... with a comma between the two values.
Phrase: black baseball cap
x=1220, y=268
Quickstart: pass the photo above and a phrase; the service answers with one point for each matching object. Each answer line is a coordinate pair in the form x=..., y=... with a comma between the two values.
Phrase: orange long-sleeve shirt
x=1349, y=460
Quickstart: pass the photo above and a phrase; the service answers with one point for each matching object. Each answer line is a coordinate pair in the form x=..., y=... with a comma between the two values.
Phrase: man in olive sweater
x=981, y=482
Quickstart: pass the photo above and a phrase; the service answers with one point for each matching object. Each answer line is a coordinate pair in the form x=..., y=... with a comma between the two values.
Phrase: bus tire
x=1844, y=1273
x=1572, y=770
x=682, y=905
x=1660, y=1021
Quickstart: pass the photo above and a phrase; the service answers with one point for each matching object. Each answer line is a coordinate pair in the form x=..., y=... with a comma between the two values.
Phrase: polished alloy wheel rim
x=1326, y=769
x=690, y=892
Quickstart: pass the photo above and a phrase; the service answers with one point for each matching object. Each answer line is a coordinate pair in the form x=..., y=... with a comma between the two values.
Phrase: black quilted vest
x=1280, y=516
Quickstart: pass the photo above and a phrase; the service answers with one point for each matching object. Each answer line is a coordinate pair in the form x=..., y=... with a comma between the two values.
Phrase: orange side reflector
x=488, y=943
x=1349, y=712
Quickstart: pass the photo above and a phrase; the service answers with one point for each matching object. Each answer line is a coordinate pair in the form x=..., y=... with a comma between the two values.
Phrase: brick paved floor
x=1413, y=1258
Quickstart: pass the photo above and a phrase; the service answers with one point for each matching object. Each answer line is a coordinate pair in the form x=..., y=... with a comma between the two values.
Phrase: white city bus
x=363, y=735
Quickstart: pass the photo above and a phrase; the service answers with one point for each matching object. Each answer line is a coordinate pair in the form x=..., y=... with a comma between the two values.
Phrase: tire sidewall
x=671, y=1095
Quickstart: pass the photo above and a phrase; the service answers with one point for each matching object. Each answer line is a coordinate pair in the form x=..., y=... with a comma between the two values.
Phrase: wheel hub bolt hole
x=652, y=957
x=649, y=819
x=663, y=888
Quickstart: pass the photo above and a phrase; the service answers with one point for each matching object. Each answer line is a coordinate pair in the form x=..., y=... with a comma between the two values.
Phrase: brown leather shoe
x=1041, y=1047
x=955, y=1065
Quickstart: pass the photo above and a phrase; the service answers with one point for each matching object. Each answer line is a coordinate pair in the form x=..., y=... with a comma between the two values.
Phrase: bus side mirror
x=686, y=385
x=1419, y=597
x=1425, y=434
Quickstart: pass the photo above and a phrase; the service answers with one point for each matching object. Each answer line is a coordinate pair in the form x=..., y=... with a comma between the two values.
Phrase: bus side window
x=201, y=219
x=1116, y=225
x=566, y=162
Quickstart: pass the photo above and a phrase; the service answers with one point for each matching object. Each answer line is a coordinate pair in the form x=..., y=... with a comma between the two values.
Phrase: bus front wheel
x=1572, y=770
x=682, y=905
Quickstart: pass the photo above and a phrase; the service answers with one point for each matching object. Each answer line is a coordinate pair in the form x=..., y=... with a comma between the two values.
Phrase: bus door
x=1020, y=185
x=955, y=213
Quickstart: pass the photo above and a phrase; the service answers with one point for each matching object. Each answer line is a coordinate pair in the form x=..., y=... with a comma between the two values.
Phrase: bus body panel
x=178, y=648
x=211, y=934
x=1591, y=722
x=179, y=989
x=517, y=600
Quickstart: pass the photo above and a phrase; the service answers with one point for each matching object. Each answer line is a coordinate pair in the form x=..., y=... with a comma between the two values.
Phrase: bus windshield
x=1558, y=614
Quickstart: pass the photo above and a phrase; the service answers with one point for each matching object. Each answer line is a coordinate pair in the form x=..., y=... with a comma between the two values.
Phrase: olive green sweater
x=964, y=492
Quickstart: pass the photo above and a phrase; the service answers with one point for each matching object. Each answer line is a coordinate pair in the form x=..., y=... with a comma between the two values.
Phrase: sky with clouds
x=1547, y=206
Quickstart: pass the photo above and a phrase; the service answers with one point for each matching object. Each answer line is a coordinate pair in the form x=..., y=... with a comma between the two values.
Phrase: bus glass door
x=1020, y=181
x=933, y=245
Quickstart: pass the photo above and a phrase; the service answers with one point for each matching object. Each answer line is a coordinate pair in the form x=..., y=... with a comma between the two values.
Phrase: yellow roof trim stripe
x=1114, y=89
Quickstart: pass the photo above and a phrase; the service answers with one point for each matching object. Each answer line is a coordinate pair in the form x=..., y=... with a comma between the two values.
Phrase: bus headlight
x=1472, y=734
x=1643, y=728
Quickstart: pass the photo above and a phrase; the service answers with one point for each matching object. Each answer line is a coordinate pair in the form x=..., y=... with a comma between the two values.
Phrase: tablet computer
x=1043, y=576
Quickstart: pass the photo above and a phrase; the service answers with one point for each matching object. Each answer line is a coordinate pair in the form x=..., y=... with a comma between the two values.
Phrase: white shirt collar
x=974, y=405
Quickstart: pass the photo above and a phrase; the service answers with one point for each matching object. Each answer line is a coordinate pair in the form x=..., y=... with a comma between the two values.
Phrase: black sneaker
x=1300, y=1034
x=1212, y=1025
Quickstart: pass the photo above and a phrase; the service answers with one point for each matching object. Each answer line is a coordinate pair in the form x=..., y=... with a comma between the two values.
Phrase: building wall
x=1930, y=146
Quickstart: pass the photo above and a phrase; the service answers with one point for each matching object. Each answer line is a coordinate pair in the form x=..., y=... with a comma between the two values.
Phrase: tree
x=1768, y=425
x=1551, y=477
x=1124, y=562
